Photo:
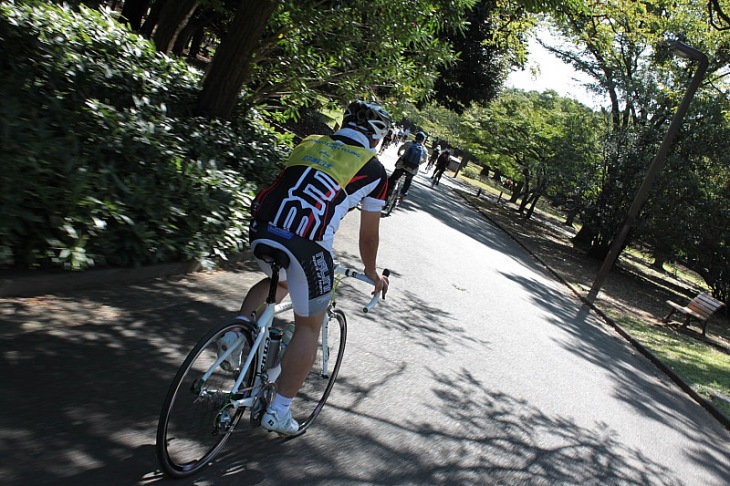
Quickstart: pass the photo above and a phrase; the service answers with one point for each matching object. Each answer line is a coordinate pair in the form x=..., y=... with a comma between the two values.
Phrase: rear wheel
x=392, y=201
x=196, y=421
x=317, y=386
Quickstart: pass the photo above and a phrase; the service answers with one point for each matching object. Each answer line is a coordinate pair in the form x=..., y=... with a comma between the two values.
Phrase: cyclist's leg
x=393, y=179
x=315, y=390
x=310, y=289
x=300, y=353
x=439, y=173
x=256, y=296
x=406, y=184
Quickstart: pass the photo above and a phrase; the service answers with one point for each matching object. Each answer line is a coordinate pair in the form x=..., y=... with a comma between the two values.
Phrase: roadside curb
x=686, y=387
x=47, y=283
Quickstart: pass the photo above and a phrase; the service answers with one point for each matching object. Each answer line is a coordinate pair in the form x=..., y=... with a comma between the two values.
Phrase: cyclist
x=387, y=140
x=434, y=155
x=411, y=155
x=441, y=164
x=299, y=213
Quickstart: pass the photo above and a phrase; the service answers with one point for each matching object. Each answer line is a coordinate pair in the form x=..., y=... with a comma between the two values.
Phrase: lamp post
x=682, y=50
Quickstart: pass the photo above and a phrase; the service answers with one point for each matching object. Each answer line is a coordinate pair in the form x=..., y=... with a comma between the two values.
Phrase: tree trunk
x=533, y=203
x=661, y=255
x=570, y=217
x=151, y=21
x=231, y=65
x=173, y=18
x=186, y=34
x=526, y=198
x=196, y=43
x=516, y=191
x=584, y=238
x=133, y=11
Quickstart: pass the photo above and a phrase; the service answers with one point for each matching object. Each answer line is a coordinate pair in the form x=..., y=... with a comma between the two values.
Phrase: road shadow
x=634, y=385
x=85, y=374
x=481, y=436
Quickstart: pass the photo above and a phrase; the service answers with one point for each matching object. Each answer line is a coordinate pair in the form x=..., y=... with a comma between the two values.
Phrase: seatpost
x=271, y=299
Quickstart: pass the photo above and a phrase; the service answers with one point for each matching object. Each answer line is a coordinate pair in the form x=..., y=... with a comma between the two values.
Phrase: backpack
x=412, y=157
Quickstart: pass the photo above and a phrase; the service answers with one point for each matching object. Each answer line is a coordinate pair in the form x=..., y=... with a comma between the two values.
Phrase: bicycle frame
x=260, y=346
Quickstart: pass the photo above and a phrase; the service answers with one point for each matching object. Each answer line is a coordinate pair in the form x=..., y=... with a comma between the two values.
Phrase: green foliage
x=623, y=46
x=470, y=172
x=547, y=142
x=103, y=162
x=492, y=42
x=688, y=211
x=357, y=49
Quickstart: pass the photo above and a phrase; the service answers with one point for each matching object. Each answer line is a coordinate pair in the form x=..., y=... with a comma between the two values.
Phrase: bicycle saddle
x=270, y=255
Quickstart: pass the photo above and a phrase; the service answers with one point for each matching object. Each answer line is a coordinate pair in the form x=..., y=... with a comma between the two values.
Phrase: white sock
x=280, y=405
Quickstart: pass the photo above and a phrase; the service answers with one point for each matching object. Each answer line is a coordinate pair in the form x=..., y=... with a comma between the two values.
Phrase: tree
x=492, y=42
x=622, y=46
x=173, y=18
x=231, y=66
x=546, y=143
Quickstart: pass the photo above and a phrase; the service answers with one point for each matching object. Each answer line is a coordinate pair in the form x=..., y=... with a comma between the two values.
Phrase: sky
x=554, y=74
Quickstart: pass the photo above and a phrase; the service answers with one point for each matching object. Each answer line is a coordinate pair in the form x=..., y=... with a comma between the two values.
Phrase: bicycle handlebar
x=364, y=278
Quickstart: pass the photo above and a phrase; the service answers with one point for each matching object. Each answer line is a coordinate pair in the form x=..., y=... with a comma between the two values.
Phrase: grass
x=677, y=271
x=704, y=367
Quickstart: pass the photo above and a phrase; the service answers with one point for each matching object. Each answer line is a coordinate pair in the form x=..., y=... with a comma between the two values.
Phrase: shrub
x=104, y=162
x=470, y=172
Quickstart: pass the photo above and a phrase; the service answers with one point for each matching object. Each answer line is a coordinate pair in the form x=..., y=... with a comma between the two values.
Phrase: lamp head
x=683, y=50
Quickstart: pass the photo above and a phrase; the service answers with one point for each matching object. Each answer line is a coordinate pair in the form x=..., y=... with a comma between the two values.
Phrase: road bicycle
x=394, y=197
x=205, y=403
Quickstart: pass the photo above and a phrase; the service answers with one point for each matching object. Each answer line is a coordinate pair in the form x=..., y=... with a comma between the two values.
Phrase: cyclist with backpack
x=412, y=155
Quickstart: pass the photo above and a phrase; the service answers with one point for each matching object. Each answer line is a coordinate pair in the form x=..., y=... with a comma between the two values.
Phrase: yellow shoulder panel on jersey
x=338, y=160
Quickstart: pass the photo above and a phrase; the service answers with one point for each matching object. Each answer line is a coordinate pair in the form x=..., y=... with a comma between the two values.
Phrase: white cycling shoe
x=285, y=425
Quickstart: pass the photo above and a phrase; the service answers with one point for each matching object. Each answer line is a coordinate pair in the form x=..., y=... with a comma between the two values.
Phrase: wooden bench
x=699, y=308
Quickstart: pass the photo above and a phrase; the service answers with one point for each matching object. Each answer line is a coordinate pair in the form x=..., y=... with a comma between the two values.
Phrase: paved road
x=479, y=368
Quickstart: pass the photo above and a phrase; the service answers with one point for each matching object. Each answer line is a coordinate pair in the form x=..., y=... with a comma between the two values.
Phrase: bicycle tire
x=189, y=432
x=392, y=201
x=317, y=386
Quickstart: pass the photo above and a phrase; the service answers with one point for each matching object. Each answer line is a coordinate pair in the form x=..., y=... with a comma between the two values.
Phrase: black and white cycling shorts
x=310, y=274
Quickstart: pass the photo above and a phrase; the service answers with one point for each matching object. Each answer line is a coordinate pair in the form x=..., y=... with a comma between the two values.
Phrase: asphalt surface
x=479, y=368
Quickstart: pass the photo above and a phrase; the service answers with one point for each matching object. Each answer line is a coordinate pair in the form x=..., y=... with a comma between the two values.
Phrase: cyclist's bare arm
x=369, y=242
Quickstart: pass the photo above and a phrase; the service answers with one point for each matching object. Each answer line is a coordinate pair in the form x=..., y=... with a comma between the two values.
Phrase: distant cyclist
x=441, y=164
x=434, y=155
x=412, y=155
x=387, y=140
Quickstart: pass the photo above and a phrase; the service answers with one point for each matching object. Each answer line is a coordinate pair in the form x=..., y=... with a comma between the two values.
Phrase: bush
x=470, y=172
x=104, y=162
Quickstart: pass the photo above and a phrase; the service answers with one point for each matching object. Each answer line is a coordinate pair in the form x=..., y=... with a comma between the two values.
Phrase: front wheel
x=317, y=386
x=196, y=418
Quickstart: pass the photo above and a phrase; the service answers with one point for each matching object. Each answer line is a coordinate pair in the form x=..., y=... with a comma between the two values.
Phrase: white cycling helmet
x=368, y=117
